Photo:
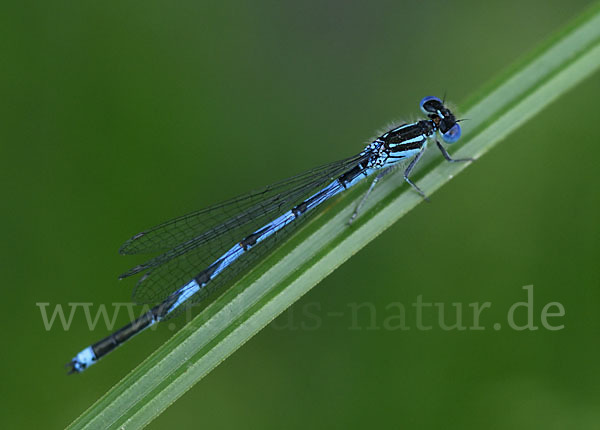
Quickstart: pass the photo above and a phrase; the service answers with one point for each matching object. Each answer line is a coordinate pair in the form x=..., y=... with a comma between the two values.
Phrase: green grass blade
x=326, y=242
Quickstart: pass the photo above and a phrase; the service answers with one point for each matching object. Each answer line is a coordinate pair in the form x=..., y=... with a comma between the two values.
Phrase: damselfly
x=201, y=251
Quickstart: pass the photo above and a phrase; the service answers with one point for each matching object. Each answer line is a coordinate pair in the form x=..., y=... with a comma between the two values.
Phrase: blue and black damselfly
x=203, y=250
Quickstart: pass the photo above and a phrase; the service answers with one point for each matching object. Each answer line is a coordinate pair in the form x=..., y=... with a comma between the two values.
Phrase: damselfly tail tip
x=72, y=367
x=81, y=361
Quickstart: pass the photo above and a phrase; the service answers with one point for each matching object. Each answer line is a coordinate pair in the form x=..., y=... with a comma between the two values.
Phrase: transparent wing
x=205, y=224
x=194, y=241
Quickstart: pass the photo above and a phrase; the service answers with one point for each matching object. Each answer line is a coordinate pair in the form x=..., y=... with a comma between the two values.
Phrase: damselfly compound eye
x=452, y=135
x=430, y=104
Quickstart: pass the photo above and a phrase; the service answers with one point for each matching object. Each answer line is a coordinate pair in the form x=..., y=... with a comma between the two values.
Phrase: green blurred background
x=118, y=116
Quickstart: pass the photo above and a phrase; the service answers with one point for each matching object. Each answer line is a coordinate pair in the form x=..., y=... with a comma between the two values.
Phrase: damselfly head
x=442, y=117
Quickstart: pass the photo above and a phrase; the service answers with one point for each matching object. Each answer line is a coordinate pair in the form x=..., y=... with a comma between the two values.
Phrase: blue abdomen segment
x=262, y=234
x=83, y=360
